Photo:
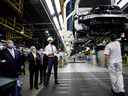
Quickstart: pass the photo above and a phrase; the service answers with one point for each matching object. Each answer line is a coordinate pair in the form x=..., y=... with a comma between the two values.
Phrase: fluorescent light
x=116, y=1
x=57, y=4
x=122, y=3
x=61, y=21
x=50, y=6
x=61, y=35
x=46, y=31
x=56, y=22
x=22, y=32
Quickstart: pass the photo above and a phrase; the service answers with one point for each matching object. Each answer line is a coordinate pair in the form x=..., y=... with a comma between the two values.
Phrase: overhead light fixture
x=56, y=22
x=57, y=4
x=61, y=21
x=46, y=32
x=117, y=1
x=122, y=3
x=50, y=6
x=22, y=31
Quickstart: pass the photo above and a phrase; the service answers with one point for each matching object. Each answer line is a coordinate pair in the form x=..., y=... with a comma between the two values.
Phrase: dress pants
x=52, y=61
x=45, y=65
x=44, y=74
x=34, y=77
x=41, y=73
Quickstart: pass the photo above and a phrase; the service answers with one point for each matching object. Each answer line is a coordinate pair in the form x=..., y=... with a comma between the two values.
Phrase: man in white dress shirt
x=50, y=51
x=113, y=57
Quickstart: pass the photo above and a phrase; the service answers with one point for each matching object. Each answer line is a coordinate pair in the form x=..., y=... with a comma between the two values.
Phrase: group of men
x=10, y=65
x=11, y=61
x=42, y=61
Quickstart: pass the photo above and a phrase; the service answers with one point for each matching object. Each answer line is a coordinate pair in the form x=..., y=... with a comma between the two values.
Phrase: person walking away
x=34, y=62
x=113, y=57
x=51, y=51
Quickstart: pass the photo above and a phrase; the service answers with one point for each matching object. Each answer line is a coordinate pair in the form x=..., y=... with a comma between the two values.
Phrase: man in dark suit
x=10, y=64
x=10, y=61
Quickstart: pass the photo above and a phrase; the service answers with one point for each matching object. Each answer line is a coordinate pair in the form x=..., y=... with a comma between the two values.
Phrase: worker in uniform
x=113, y=57
x=50, y=51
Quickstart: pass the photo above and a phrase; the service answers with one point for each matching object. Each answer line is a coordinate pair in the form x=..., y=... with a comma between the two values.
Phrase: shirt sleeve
x=107, y=50
x=55, y=49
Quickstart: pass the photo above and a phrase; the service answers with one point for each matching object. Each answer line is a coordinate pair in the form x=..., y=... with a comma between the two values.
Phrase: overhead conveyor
x=104, y=20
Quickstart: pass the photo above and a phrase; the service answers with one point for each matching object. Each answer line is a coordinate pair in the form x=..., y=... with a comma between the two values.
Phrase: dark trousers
x=41, y=73
x=23, y=70
x=44, y=74
x=8, y=91
x=52, y=61
x=34, y=77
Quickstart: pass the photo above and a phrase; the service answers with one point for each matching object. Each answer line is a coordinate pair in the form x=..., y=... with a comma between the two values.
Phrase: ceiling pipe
x=49, y=16
x=64, y=8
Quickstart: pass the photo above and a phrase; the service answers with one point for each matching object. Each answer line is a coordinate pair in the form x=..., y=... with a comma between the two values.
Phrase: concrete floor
x=80, y=79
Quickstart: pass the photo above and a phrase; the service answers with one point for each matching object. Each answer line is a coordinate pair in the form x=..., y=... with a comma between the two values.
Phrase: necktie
x=34, y=55
x=12, y=53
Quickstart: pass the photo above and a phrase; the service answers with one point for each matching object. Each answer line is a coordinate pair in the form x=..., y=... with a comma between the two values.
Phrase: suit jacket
x=9, y=66
x=34, y=63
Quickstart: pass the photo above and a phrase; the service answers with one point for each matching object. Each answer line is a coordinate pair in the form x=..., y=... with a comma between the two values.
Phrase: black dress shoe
x=46, y=84
x=40, y=83
x=114, y=93
x=121, y=94
x=56, y=82
x=36, y=87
